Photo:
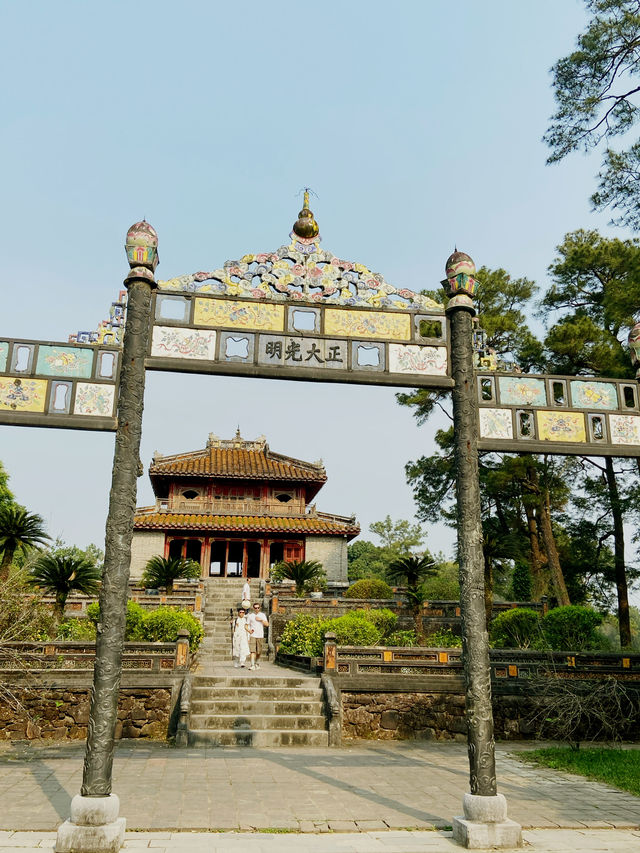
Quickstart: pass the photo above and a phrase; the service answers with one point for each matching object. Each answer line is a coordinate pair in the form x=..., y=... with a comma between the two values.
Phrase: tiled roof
x=149, y=519
x=239, y=464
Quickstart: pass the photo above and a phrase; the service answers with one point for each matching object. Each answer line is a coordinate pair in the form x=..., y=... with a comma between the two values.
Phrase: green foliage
x=402, y=638
x=619, y=768
x=521, y=582
x=23, y=615
x=133, y=626
x=516, y=629
x=412, y=569
x=163, y=571
x=306, y=574
x=60, y=576
x=596, y=88
x=572, y=628
x=162, y=626
x=443, y=639
x=76, y=629
x=366, y=560
x=369, y=588
x=385, y=620
x=302, y=636
x=19, y=530
x=444, y=585
x=6, y=495
x=354, y=629
x=400, y=536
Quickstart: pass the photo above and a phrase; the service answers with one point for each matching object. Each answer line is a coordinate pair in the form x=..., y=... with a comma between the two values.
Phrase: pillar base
x=94, y=826
x=485, y=824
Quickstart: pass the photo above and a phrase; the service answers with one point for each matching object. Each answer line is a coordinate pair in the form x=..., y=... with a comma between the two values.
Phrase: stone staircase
x=259, y=711
x=265, y=707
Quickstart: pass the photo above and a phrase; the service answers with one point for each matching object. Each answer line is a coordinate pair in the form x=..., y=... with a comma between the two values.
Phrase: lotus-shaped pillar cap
x=142, y=245
x=459, y=262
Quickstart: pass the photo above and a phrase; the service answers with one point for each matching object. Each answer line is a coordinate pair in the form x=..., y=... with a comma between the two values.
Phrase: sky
x=417, y=124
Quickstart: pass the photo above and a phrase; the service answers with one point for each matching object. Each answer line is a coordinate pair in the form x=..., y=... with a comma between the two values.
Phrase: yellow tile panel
x=235, y=314
x=379, y=325
x=561, y=426
x=23, y=395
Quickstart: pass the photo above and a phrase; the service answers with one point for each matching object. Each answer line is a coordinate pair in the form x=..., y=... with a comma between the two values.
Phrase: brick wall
x=331, y=551
x=145, y=544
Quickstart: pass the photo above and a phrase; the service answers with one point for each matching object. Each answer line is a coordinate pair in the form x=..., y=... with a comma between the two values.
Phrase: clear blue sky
x=417, y=124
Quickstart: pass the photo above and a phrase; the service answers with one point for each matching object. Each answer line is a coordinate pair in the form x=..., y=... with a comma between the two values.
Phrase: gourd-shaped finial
x=305, y=225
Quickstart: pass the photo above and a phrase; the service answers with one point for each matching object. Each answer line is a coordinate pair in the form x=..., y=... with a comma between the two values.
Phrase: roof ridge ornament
x=305, y=226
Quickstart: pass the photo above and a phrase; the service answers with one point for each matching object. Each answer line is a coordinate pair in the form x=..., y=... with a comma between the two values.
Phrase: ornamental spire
x=305, y=225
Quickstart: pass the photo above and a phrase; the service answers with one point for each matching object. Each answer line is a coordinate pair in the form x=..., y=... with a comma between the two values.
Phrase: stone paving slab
x=401, y=841
x=377, y=786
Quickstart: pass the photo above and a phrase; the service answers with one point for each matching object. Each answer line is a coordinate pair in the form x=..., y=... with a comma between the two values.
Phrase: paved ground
x=361, y=788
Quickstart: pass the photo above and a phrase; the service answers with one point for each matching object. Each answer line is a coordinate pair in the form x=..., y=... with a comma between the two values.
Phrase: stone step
x=254, y=680
x=272, y=707
x=257, y=722
x=255, y=694
x=257, y=738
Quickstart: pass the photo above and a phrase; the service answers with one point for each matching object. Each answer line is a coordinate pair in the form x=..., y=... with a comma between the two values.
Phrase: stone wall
x=425, y=716
x=144, y=545
x=331, y=551
x=62, y=713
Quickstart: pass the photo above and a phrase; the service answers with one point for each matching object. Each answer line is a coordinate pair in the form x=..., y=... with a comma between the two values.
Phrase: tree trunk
x=58, y=609
x=549, y=543
x=488, y=589
x=539, y=583
x=7, y=559
x=418, y=624
x=624, y=623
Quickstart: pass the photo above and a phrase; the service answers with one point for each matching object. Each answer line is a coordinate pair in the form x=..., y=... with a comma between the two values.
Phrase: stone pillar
x=485, y=822
x=94, y=824
x=330, y=653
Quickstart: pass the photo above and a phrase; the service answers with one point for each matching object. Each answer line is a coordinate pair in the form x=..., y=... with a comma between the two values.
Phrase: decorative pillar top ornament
x=142, y=246
x=460, y=284
x=634, y=346
x=305, y=225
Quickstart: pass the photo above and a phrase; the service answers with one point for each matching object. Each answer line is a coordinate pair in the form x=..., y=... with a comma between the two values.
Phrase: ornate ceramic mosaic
x=594, y=395
x=23, y=395
x=94, y=399
x=522, y=391
x=239, y=315
x=496, y=423
x=378, y=325
x=414, y=359
x=625, y=429
x=64, y=361
x=4, y=353
x=110, y=331
x=561, y=426
x=171, y=342
x=301, y=271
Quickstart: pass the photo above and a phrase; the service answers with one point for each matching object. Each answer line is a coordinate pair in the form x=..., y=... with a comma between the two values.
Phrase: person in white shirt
x=257, y=621
x=246, y=594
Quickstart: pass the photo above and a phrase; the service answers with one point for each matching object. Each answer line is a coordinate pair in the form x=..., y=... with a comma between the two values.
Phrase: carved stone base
x=94, y=826
x=485, y=824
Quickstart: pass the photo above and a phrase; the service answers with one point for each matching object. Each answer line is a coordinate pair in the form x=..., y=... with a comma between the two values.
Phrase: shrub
x=162, y=626
x=402, y=638
x=133, y=625
x=353, y=629
x=443, y=639
x=302, y=636
x=306, y=574
x=369, y=588
x=571, y=628
x=515, y=629
x=163, y=571
x=384, y=619
x=76, y=629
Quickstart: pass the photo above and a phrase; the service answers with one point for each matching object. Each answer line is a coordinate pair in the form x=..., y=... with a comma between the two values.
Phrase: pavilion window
x=629, y=396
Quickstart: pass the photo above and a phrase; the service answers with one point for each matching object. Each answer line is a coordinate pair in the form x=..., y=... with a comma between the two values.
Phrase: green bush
x=369, y=588
x=133, y=626
x=516, y=629
x=384, y=619
x=353, y=629
x=443, y=639
x=76, y=629
x=302, y=636
x=402, y=638
x=572, y=628
x=162, y=626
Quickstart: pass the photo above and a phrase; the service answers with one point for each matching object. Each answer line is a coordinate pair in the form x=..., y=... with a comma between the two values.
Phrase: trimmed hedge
x=155, y=626
x=369, y=588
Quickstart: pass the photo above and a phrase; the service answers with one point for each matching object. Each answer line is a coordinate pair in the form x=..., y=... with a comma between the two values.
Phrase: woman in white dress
x=240, y=638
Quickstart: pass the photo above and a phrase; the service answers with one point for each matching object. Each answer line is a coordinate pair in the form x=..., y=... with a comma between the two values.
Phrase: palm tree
x=62, y=574
x=301, y=572
x=163, y=571
x=415, y=570
x=19, y=529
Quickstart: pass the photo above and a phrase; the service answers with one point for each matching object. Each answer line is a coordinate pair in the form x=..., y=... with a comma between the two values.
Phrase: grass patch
x=617, y=767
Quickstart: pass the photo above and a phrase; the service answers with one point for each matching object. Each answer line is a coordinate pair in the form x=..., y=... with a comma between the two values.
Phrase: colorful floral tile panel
x=625, y=429
x=64, y=361
x=94, y=399
x=561, y=426
x=429, y=361
x=522, y=391
x=378, y=325
x=594, y=395
x=23, y=395
x=172, y=342
x=226, y=313
x=496, y=423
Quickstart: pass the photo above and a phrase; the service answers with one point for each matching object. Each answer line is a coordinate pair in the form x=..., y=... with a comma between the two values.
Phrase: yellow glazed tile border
x=239, y=315
x=379, y=325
